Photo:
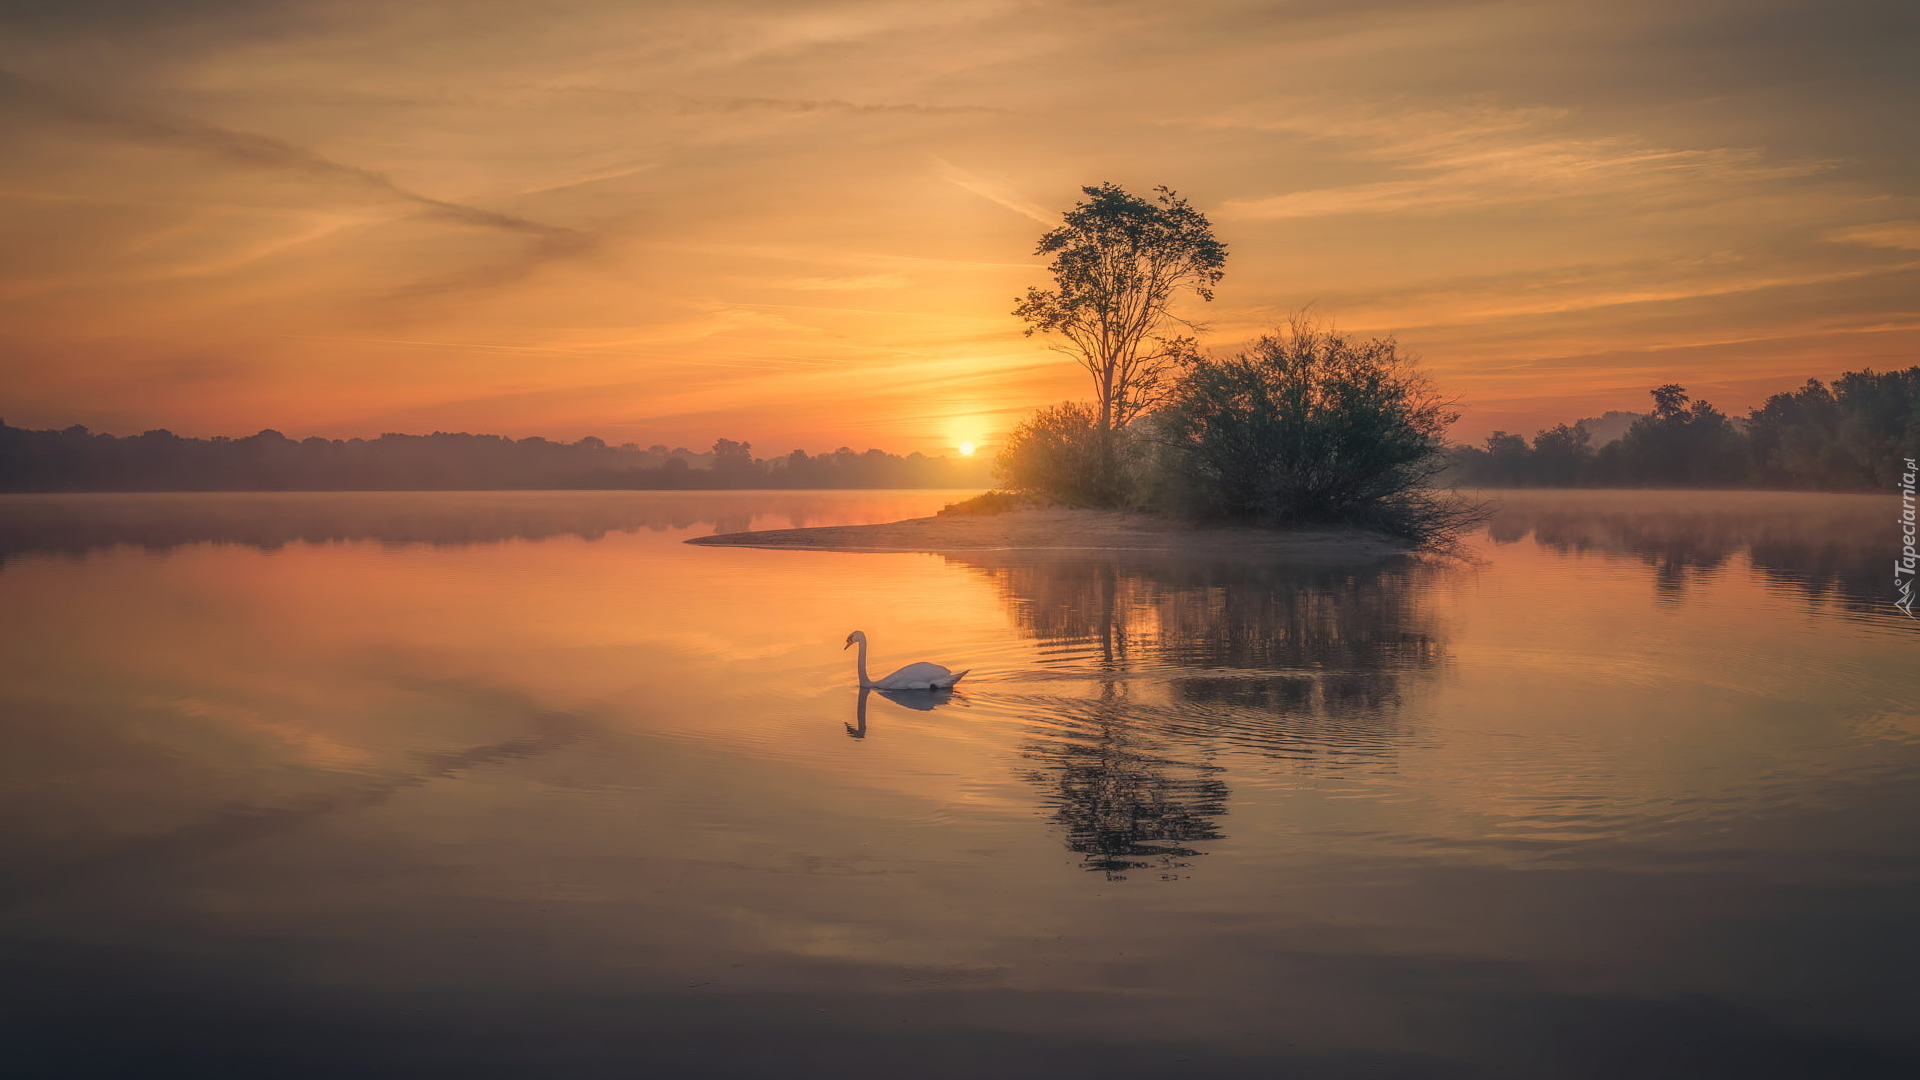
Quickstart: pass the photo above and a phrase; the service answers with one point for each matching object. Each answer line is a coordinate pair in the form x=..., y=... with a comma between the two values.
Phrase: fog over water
x=503, y=783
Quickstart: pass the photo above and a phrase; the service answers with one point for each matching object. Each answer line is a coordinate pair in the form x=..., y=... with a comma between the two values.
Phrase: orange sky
x=804, y=224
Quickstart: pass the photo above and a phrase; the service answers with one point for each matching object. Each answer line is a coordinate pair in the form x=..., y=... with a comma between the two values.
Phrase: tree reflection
x=1821, y=547
x=1189, y=657
x=1322, y=639
x=79, y=524
x=1125, y=802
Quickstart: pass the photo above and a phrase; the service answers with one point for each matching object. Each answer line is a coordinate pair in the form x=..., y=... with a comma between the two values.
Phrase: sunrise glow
x=828, y=539
x=679, y=222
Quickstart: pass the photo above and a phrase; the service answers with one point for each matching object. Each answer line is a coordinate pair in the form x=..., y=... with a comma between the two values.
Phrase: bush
x=1055, y=453
x=989, y=503
x=1311, y=426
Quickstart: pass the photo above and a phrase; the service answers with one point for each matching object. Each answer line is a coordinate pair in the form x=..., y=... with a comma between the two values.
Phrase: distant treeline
x=1851, y=436
x=76, y=459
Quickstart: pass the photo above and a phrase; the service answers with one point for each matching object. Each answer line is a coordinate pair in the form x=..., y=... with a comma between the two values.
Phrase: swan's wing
x=947, y=683
x=915, y=676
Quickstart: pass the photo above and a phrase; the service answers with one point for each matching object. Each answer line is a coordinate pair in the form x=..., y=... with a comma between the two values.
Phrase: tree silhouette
x=1684, y=442
x=1119, y=262
x=76, y=459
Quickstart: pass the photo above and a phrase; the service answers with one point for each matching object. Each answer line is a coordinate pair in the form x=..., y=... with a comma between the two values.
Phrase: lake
x=517, y=784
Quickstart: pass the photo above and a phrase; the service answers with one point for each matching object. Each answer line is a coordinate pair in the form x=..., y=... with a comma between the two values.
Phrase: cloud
x=605, y=97
x=264, y=152
x=1902, y=235
x=993, y=193
x=1467, y=156
x=848, y=284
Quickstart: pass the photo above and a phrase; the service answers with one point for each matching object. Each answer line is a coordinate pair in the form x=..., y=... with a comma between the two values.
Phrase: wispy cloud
x=994, y=193
x=612, y=98
x=1902, y=235
x=1446, y=159
x=848, y=284
x=264, y=152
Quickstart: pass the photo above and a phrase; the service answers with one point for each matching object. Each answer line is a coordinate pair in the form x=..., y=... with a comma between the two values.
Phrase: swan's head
x=857, y=635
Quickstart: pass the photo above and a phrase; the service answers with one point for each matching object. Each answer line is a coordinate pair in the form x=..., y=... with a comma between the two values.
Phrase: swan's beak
x=847, y=646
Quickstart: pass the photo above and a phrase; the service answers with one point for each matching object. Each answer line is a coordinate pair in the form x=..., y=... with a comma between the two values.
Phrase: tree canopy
x=1119, y=263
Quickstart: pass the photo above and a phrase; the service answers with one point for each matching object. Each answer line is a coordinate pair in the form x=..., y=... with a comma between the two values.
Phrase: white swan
x=920, y=676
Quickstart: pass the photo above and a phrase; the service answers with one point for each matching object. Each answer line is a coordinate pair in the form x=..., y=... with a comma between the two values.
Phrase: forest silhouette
x=1851, y=436
x=76, y=459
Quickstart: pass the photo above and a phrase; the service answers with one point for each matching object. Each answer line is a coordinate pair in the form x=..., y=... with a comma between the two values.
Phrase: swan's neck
x=864, y=680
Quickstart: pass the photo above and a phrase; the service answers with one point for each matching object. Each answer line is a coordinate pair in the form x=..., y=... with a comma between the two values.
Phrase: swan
x=920, y=676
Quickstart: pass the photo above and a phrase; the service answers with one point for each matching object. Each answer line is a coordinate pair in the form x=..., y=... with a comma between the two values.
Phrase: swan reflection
x=920, y=700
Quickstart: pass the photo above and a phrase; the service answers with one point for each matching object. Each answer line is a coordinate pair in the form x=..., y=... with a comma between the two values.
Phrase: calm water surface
x=502, y=785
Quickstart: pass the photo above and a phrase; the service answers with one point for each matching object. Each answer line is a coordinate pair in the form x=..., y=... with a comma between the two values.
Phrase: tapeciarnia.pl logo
x=1903, y=567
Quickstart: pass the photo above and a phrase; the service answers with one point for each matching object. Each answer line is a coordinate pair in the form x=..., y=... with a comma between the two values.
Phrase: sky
x=804, y=224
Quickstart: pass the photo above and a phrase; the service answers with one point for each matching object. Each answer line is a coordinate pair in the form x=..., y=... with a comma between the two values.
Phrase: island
x=1063, y=529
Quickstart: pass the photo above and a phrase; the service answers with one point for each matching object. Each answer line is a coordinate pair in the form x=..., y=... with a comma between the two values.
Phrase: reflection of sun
x=966, y=449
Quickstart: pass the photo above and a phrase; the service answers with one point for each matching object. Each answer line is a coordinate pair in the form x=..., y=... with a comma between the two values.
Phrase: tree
x=1794, y=440
x=733, y=464
x=1561, y=454
x=1683, y=443
x=1852, y=437
x=1882, y=420
x=1506, y=460
x=1119, y=263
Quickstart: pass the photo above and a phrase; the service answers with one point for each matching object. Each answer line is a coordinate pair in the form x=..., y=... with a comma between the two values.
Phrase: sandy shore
x=1063, y=530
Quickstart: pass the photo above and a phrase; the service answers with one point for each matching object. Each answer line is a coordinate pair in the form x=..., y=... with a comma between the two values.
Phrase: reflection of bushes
x=1123, y=805
x=1238, y=613
x=1818, y=545
x=1293, y=641
x=76, y=524
x=1310, y=695
x=1296, y=662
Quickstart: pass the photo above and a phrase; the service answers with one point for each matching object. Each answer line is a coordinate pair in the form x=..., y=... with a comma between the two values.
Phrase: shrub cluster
x=1306, y=426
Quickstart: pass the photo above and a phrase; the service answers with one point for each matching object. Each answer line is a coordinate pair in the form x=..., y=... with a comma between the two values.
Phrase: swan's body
x=920, y=676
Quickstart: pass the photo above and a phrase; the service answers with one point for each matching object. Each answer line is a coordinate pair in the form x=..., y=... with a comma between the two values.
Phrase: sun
x=966, y=449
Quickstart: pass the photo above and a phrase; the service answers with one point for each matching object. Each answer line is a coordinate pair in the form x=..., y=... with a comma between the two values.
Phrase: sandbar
x=1056, y=529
